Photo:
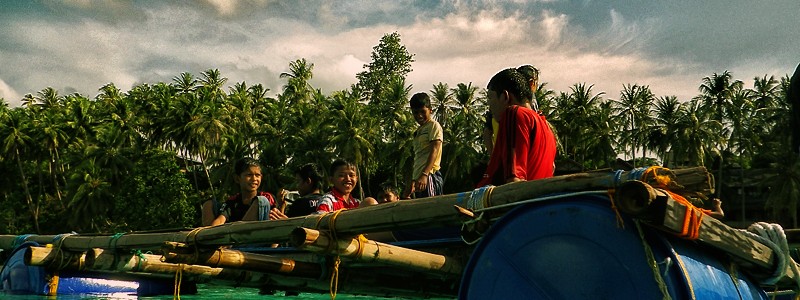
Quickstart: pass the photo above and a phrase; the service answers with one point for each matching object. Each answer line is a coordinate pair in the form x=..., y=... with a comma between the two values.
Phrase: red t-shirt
x=525, y=148
x=333, y=201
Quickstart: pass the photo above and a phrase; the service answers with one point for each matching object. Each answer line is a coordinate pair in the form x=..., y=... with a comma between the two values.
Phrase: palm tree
x=633, y=108
x=742, y=119
x=573, y=117
x=662, y=133
x=17, y=140
x=90, y=195
x=715, y=93
x=442, y=102
x=598, y=137
x=765, y=91
x=353, y=130
x=298, y=88
x=698, y=133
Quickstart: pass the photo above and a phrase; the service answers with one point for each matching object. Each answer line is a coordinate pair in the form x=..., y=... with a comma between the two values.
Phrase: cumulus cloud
x=85, y=44
x=9, y=94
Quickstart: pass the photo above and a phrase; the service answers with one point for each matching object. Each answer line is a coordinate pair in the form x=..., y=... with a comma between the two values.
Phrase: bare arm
x=208, y=213
x=219, y=220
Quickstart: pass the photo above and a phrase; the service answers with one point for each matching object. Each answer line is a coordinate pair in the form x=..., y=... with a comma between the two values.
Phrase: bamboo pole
x=54, y=259
x=379, y=282
x=401, y=215
x=228, y=258
x=658, y=209
x=372, y=251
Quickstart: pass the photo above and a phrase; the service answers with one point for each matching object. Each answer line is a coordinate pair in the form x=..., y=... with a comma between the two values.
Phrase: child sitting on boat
x=249, y=204
x=344, y=177
x=388, y=194
x=309, y=186
x=525, y=148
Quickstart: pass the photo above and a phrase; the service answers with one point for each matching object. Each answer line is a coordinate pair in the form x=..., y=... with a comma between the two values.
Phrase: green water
x=204, y=292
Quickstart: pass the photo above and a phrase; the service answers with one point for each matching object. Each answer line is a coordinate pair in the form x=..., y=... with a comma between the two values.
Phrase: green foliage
x=146, y=158
x=156, y=196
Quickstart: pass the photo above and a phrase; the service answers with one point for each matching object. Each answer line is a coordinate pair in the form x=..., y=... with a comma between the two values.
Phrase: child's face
x=422, y=115
x=249, y=180
x=304, y=186
x=344, y=179
x=388, y=196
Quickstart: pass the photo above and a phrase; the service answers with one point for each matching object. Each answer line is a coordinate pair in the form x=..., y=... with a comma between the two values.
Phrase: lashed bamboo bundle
x=371, y=251
x=659, y=209
x=235, y=259
x=402, y=215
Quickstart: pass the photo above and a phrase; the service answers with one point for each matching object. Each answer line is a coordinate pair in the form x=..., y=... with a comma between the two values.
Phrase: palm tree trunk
x=28, y=197
x=208, y=176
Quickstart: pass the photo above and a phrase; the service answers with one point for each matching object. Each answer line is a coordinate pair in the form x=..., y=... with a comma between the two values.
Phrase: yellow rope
x=335, y=277
x=176, y=295
x=334, y=288
x=362, y=240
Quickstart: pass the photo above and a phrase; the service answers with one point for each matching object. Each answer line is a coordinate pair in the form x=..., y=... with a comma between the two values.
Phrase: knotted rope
x=773, y=236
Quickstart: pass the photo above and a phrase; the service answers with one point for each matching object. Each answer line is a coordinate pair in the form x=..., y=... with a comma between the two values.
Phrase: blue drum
x=573, y=248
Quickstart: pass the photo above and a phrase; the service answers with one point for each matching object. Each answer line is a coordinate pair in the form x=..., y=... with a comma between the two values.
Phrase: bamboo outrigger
x=445, y=267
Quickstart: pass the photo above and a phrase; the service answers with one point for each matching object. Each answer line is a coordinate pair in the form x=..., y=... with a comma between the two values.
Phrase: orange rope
x=620, y=221
x=693, y=217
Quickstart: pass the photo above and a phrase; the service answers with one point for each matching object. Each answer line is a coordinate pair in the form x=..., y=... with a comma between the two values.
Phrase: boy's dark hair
x=245, y=163
x=531, y=73
x=512, y=81
x=338, y=163
x=420, y=100
x=388, y=187
x=310, y=172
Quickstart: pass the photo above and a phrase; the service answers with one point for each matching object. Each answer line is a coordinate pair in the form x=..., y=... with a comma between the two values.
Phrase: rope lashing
x=479, y=198
x=653, y=264
x=693, y=216
x=112, y=242
x=176, y=294
x=617, y=215
x=773, y=236
x=142, y=260
x=18, y=240
x=692, y=219
x=334, y=284
x=192, y=236
x=642, y=174
x=58, y=241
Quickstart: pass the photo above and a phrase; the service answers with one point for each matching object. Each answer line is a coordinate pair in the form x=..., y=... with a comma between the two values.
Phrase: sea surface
x=204, y=292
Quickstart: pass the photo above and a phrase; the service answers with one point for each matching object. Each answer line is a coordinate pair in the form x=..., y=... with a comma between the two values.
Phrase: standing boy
x=526, y=147
x=426, y=180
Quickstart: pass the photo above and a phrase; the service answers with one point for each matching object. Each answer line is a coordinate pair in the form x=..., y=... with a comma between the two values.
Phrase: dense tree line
x=146, y=158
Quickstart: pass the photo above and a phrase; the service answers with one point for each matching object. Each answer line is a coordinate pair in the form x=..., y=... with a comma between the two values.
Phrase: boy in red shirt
x=344, y=177
x=525, y=148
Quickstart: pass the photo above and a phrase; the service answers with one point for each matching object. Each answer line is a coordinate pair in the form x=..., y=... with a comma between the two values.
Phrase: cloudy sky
x=80, y=45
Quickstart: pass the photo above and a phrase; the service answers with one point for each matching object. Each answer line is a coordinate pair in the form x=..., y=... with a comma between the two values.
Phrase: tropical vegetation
x=147, y=158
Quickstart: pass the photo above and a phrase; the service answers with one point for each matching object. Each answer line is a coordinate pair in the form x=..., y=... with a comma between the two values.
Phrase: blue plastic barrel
x=573, y=248
x=18, y=278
